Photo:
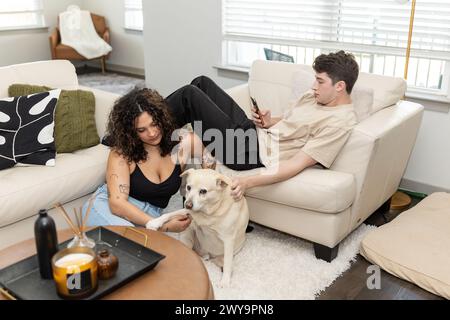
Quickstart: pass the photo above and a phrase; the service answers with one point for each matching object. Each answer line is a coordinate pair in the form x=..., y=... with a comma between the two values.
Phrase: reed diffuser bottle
x=46, y=243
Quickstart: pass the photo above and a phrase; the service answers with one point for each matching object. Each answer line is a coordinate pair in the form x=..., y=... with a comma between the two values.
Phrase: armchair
x=60, y=51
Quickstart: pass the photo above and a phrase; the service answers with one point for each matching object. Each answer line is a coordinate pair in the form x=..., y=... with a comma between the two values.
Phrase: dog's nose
x=188, y=204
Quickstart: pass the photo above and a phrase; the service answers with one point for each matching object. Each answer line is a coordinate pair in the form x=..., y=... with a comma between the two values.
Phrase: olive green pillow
x=74, y=117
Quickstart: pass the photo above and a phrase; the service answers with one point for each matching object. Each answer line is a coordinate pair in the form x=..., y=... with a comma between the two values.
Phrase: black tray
x=22, y=280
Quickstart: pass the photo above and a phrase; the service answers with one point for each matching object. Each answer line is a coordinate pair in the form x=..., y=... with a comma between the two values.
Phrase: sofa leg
x=385, y=207
x=325, y=253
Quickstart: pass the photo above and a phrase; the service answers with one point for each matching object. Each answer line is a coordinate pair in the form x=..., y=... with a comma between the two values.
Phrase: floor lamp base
x=400, y=200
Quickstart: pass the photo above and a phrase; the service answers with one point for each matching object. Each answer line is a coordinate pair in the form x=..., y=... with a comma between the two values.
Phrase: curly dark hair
x=121, y=127
x=339, y=66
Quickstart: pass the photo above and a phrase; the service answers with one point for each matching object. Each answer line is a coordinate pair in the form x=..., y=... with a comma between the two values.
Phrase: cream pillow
x=415, y=245
x=387, y=90
x=302, y=81
x=362, y=97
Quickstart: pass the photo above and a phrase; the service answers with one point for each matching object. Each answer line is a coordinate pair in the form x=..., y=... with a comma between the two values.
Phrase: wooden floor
x=352, y=284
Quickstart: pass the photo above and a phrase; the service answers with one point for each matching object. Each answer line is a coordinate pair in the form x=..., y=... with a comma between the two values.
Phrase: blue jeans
x=101, y=214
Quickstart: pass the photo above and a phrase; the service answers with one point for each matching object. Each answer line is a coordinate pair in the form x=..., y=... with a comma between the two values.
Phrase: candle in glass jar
x=75, y=272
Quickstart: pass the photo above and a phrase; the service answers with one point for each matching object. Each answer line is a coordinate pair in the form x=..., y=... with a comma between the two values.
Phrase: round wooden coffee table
x=180, y=276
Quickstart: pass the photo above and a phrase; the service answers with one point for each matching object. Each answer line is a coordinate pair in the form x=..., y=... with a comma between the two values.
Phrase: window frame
x=40, y=12
x=131, y=9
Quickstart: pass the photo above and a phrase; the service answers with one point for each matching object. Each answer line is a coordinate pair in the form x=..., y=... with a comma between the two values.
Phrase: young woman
x=145, y=162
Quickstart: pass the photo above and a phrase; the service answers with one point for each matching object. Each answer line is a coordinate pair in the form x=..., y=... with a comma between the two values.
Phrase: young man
x=312, y=131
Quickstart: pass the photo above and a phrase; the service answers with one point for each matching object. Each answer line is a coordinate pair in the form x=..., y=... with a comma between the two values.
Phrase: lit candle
x=73, y=261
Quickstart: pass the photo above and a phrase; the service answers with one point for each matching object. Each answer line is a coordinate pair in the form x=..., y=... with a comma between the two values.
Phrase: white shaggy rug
x=274, y=265
x=111, y=82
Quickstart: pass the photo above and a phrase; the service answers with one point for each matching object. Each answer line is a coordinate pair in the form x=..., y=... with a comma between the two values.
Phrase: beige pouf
x=415, y=246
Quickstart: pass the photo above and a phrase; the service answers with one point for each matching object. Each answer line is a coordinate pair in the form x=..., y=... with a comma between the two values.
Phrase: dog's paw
x=154, y=224
x=224, y=282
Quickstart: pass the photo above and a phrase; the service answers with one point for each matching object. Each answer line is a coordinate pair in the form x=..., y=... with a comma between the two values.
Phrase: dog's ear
x=187, y=172
x=220, y=182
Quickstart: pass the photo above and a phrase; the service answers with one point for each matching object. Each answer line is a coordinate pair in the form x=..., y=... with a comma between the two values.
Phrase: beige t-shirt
x=319, y=131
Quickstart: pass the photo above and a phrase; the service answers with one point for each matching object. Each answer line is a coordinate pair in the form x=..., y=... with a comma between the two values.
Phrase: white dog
x=219, y=222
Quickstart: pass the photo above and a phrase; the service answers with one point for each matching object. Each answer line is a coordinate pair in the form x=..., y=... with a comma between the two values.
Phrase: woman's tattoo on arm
x=124, y=188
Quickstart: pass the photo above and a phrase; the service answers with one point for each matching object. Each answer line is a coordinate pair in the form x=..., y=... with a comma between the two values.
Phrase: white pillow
x=387, y=90
x=362, y=97
x=302, y=81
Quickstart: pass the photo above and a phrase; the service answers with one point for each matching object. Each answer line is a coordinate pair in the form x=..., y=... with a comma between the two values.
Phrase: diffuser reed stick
x=68, y=220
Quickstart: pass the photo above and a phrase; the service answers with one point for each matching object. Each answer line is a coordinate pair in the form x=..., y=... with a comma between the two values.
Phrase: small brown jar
x=107, y=264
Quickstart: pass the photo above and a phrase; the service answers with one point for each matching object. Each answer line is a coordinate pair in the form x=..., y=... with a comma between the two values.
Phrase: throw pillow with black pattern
x=26, y=129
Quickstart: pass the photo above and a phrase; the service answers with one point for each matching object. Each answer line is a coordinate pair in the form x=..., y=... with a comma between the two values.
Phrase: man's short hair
x=339, y=66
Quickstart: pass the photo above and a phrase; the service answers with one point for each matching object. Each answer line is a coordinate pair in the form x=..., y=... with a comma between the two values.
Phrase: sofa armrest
x=103, y=103
x=106, y=35
x=377, y=154
x=241, y=96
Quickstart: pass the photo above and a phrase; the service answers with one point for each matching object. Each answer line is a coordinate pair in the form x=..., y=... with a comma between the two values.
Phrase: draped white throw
x=78, y=31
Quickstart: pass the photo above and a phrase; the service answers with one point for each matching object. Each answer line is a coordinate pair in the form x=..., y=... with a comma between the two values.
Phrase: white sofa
x=325, y=205
x=25, y=190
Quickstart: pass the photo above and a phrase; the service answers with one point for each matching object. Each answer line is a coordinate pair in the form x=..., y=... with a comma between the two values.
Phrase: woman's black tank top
x=157, y=194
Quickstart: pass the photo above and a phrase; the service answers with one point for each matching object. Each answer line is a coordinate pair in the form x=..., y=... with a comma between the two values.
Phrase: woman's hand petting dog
x=238, y=187
x=177, y=224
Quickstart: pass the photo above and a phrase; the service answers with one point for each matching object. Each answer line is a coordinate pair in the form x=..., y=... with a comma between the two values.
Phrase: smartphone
x=255, y=104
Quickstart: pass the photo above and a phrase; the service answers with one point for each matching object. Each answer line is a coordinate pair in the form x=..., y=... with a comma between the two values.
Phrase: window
x=375, y=31
x=21, y=14
x=133, y=15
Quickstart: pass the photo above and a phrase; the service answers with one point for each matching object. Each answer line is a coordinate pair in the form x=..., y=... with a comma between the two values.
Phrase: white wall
x=430, y=161
x=182, y=39
x=32, y=45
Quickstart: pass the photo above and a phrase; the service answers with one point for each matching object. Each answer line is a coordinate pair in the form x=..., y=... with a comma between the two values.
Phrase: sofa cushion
x=270, y=83
x=26, y=129
x=415, y=245
x=74, y=117
x=314, y=189
x=25, y=190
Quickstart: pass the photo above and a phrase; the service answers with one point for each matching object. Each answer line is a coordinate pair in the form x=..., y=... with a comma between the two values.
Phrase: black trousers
x=222, y=125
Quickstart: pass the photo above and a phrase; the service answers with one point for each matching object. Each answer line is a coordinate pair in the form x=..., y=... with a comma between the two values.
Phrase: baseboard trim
x=421, y=187
x=125, y=70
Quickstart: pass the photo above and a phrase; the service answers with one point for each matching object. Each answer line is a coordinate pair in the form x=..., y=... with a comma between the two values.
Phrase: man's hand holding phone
x=260, y=118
